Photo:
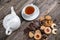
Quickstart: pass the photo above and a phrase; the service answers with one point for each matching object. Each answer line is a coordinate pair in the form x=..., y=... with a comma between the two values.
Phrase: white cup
x=33, y=15
x=11, y=22
x=23, y=11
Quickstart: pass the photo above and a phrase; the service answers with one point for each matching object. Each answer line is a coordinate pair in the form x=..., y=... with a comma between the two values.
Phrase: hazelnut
x=37, y=35
x=31, y=34
x=41, y=18
x=54, y=31
x=42, y=27
x=48, y=17
x=47, y=30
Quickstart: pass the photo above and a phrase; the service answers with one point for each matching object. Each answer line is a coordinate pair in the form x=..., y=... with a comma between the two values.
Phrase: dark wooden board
x=44, y=6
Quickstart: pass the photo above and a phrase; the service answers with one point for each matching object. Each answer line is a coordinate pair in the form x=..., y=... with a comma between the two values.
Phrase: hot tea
x=29, y=10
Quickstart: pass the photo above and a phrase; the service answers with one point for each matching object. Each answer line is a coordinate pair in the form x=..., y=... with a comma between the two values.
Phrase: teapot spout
x=12, y=11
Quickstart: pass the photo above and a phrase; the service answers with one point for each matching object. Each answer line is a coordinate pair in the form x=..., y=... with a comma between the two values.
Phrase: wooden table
x=50, y=7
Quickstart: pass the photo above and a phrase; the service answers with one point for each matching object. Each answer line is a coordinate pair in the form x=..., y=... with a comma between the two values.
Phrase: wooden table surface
x=47, y=7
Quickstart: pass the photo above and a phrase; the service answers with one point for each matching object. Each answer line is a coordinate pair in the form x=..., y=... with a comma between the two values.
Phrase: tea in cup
x=30, y=12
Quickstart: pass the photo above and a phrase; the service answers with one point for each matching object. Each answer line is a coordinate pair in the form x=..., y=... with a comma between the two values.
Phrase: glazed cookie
x=37, y=35
x=47, y=30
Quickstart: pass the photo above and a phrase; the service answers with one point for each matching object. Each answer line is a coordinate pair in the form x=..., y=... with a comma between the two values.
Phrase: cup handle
x=8, y=31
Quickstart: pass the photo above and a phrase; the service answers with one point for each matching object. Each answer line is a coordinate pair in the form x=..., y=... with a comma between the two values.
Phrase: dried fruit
x=31, y=34
x=44, y=36
x=32, y=26
x=47, y=30
x=48, y=17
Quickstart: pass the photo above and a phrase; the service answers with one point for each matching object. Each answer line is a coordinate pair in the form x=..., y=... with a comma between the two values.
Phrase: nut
x=48, y=17
x=47, y=30
x=31, y=34
x=37, y=35
x=54, y=31
x=41, y=18
x=42, y=27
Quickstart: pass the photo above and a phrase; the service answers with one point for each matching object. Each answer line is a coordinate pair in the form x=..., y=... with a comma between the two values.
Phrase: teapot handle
x=8, y=31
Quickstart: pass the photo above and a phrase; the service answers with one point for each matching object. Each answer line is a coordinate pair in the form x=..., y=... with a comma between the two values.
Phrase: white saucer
x=32, y=17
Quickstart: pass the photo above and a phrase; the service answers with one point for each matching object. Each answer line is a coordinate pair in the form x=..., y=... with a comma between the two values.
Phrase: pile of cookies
x=44, y=26
x=48, y=25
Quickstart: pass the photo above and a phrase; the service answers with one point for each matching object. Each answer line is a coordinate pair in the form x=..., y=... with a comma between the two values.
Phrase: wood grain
x=44, y=6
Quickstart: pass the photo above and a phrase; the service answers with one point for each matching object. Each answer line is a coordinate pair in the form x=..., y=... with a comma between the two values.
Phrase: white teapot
x=11, y=22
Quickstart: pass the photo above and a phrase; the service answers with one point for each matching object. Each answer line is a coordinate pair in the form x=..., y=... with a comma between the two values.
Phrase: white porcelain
x=32, y=16
x=11, y=22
